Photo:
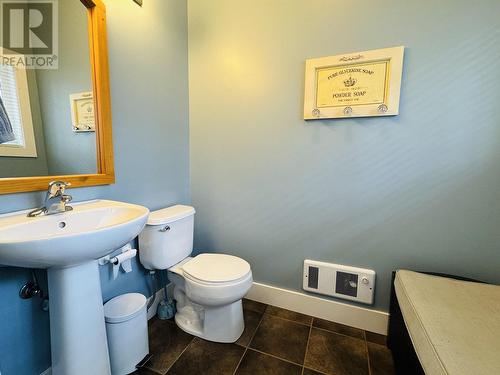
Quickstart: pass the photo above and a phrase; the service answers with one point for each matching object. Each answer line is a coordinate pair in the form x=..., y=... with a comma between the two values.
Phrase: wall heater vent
x=352, y=283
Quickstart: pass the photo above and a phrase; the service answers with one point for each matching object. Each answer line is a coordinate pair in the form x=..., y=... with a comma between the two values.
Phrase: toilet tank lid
x=170, y=214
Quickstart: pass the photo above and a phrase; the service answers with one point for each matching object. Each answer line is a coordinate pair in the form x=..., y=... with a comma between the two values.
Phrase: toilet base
x=214, y=323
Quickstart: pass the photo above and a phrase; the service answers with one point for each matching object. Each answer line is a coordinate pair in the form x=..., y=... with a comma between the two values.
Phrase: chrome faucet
x=55, y=200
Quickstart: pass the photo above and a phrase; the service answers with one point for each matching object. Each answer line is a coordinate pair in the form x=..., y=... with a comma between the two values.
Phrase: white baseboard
x=47, y=372
x=354, y=316
x=160, y=295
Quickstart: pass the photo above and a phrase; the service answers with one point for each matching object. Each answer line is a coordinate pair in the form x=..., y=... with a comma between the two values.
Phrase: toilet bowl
x=208, y=288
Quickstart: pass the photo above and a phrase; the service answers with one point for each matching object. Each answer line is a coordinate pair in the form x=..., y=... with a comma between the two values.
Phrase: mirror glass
x=47, y=124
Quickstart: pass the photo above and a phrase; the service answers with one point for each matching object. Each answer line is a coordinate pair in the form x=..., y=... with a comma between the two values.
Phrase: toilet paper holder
x=121, y=261
x=114, y=259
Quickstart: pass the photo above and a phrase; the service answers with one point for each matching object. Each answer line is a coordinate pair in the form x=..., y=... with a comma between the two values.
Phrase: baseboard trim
x=351, y=315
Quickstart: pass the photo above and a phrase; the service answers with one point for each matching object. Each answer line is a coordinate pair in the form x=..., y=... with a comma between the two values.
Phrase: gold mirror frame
x=102, y=102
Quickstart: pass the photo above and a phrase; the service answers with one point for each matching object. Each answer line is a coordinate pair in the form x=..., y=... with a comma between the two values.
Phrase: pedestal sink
x=68, y=245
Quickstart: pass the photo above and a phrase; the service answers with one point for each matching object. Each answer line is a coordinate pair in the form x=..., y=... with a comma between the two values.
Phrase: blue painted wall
x=148, y=67
x=419, y=190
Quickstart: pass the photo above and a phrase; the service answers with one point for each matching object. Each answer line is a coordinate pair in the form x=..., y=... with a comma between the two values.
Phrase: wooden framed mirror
x=68, y=136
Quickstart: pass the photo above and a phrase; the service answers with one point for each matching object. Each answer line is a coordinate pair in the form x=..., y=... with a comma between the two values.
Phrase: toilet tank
x=167, y=238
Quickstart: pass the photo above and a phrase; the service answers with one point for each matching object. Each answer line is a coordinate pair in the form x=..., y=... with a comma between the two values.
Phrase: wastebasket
x=127, y=331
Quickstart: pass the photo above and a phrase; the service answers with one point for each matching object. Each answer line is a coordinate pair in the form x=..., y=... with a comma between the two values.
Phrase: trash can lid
x=124, y=307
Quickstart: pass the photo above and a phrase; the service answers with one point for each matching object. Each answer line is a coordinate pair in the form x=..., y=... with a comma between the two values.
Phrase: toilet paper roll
x=124, y=261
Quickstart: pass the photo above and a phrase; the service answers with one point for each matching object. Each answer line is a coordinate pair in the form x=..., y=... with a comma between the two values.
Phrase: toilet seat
x=216, y=269
x=213, y=279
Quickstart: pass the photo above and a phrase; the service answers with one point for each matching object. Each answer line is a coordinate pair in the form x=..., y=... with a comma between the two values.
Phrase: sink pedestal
x=77, y=326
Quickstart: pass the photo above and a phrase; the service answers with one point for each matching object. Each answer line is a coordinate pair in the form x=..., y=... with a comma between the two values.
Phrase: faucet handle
x=58, y=187
x=66, y=198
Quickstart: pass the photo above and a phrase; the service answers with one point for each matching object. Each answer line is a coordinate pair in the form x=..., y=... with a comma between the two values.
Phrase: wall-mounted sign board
x=82, y=112
x=358, y=84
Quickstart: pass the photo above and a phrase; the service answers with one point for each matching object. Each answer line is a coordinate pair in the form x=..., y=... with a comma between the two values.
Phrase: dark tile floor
x=275, y=342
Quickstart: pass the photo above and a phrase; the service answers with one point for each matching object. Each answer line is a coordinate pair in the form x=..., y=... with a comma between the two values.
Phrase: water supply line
x=154, y=288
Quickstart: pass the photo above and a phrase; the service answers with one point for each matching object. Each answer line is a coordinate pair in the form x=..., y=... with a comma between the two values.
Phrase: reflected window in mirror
x=16, y=114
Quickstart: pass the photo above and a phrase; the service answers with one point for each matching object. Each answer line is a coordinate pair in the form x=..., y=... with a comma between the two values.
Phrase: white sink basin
x=69, y=244
x=90, y=231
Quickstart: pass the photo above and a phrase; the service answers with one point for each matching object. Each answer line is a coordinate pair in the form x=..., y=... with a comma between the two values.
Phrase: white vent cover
x=352, y=283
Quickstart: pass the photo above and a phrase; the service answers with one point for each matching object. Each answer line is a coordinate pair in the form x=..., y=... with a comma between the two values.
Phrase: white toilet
x=208, y=288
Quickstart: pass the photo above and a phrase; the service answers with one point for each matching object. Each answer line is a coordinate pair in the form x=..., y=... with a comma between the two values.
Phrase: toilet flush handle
x=165, y=229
